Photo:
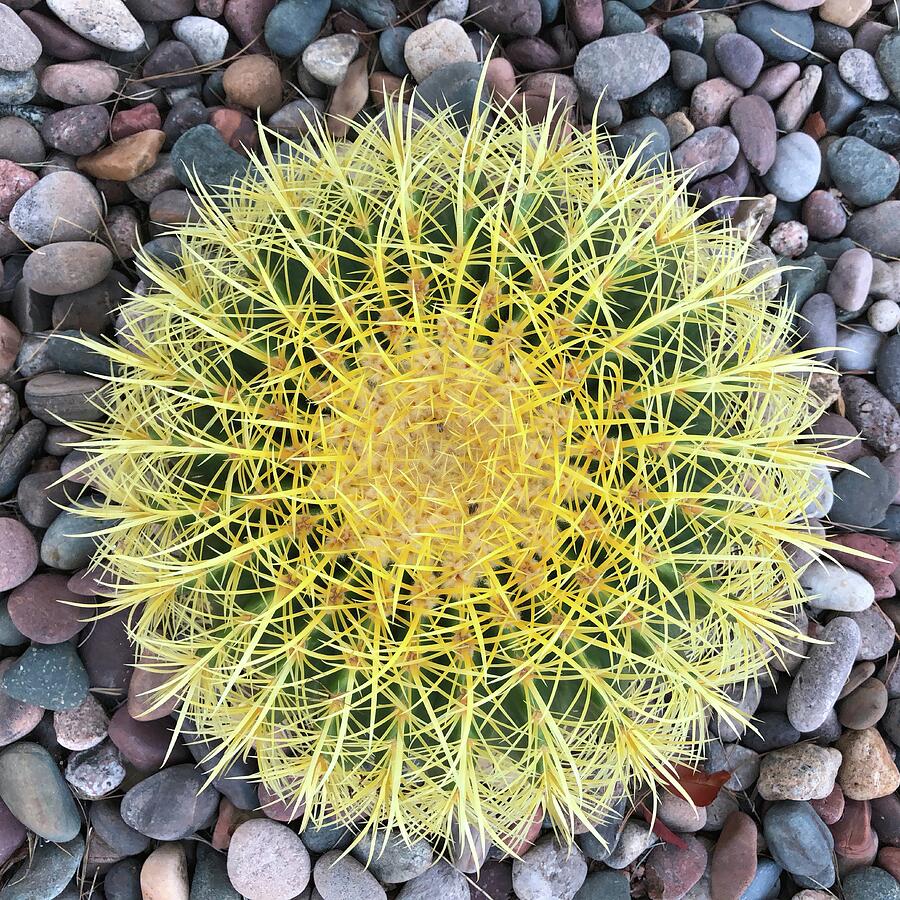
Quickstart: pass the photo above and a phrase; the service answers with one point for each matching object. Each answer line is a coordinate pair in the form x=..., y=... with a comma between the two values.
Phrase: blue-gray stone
x=322, y=838
x=32, y=114
x=165, y=249
x=17, y=454
x=766, y=882
x=688, y=69
x=123, y=881
x=863, y=494
x=171, y=804
x=10, y=636
x=650, y=135
x=684, y=32
x=878, y=125
x=236, y=782
x=661, y=99
x=771, y=731
x=840, y=103
x=829, y=250
x=798, y=162
x=816, y=326
x=887, y=56
x=877, y=228
x=33, y=788
x=864, y=174
x=391, y=44
x=800, y=841
x=608, y=885
x=452, y=87
x=831, y=40
x=377, y=13
x=608, y=829
x=867, y=883
x=639, y=5
x=786, y=36
x=294, y=24
x=887, y=372
x=210, y=881
x=46, y=874
x=549, y=10
x=72, y=356
x=48, y=675
x=620, y=19
x=108, y=824
x=17, y=87
x=201, y=150
x=69, y=543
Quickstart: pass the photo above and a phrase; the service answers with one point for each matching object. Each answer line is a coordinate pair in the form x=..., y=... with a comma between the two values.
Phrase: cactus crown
x=452, y=473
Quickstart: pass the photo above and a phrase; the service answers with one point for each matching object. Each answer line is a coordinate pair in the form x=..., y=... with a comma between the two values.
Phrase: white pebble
x=884, y=315
x=830, y=586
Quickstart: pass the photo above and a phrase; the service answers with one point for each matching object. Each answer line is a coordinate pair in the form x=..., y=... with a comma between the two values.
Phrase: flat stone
x=733, y=863
x=66, y=267
x=33, y=789
x=294, y=24
x=786, y=36
x=83, y=727
x=621, y=66
x=863, y=173
x=45, y=610
x=340, y=877
x=864, y=707
x=440, y=880
x=753, y=122
x=799, y=841
x=170, y=805
x=796, y=168
x=201, y=152
x=438, y=44
x=671, y=871
x=548, y=871
x=521, y=18
x=62, y=206
x=390, y=858
x=51, y=676
x=47, y=871
x=328, y=58
x=127, y=158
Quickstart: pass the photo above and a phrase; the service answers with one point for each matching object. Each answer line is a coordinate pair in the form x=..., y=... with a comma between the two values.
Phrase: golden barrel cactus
x=454, y=475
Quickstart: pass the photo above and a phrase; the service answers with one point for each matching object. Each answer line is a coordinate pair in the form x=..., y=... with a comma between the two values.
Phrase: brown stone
x=349, y=98
x=45, y=610
x=236, y=128
x=254, y=82
x=867, y=771
x=126, y=159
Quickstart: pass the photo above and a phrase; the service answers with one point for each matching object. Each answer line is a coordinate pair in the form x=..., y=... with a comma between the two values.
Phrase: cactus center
x=448, y=452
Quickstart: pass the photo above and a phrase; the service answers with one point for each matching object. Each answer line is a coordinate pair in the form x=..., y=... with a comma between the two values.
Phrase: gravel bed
x=107, y=110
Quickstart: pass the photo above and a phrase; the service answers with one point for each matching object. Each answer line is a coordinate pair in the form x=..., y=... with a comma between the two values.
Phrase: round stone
x=391, y=858
x=740, y=59
x=267, y=861
x=18, y=556
x=17, y=717
x=254, y=82
x=867, y=770
x=328, y=58
x=76, y=130
x=107, y=822
x=204, y=37
x=823, y=215
x=33, y=789
x=671, y=870
x=860, y=71
x=863, y=173
x=621, y=66
x=144, y=744
x=62, y=206
x=863, y=707
x=796, y=167
x=95, y=772
x=707, y=152
x=83, y=727
x=341, y=877
x=870, y=883
x=45, y=610
x=786, y=36
x=51, y=676
x=436, y=45
x=521, y=18
x=46, y=871
x=548, y=871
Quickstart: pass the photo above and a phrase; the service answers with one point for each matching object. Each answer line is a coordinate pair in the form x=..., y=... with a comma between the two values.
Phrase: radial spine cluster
x=454, y=474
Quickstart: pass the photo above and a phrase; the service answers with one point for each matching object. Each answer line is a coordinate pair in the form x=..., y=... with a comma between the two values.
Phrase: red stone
x=500, y=77
x=236, y=128
x=58, y=40
x=885, y=560
x=144, y=744
x=884, y=588
x=247, y=19
x=853, y=831
x=670, y=871
x=886, y=819
x=273, y=807
x=130, y=121
x=585, y=19
x=44, y=609
x=520, y=844
x=831, y=808
x=734, y=858
x=889, y=860
x=14, y=181
x=230, y=817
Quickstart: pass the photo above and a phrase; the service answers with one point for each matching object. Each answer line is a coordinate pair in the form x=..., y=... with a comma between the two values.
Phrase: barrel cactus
x=454, y=476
